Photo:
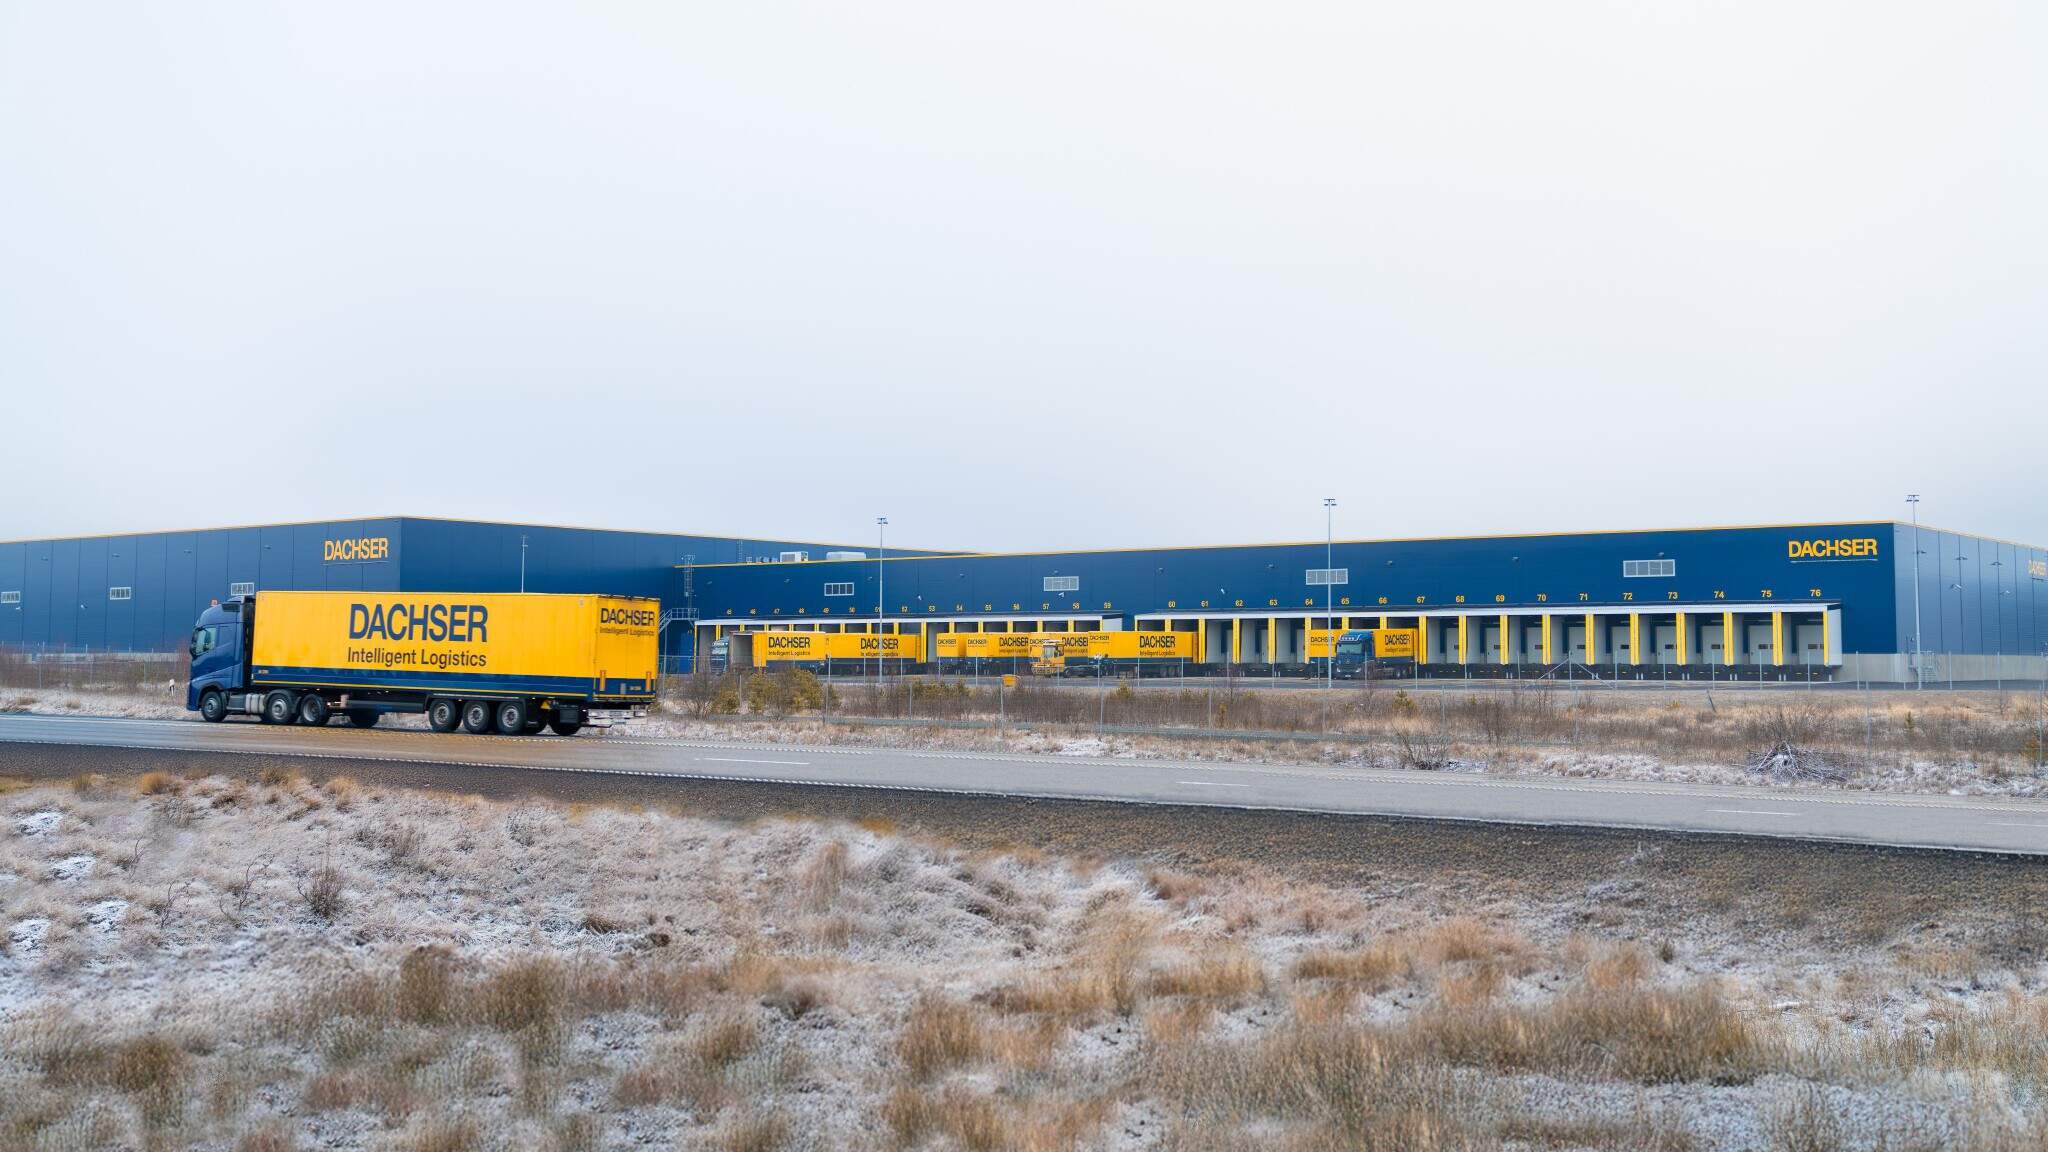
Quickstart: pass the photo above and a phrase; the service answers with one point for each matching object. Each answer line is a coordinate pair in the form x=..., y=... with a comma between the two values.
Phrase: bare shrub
x=402, y=841
x=324, y=890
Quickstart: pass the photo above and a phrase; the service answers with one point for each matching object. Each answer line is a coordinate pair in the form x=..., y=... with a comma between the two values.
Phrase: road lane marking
x=1211, y=784
x=2002, y=824
x=742, y=760
x=1750, y=812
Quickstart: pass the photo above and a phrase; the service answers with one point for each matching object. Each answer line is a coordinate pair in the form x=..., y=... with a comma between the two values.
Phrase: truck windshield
x=1350, y=647
x=204, y=640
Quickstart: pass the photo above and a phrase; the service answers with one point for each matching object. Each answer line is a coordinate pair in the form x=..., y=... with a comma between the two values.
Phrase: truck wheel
x=476, y=716
x=564, y=727
x=363, y=717
x=213, y=707
x=444, y=715
x=512, y=717
x=313, y=710
x=278, y=708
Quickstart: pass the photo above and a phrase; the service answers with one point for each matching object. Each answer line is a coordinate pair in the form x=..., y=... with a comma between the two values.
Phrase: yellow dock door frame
x=1544, y=622
x=1681, y=638
x=1827, y=639
x=1504, y=658
x=1728, y=638
x=1236, y=643
x=1592, y=641
x=1777, y=637
x=1461, y=637
x=1422, y=626
x=1635, y=638
x=1272, y=639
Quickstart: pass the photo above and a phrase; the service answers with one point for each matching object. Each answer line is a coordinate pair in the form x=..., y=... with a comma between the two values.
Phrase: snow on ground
x=828, y=978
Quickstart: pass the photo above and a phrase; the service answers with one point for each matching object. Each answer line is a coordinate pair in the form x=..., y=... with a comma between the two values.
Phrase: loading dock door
x=1759, y=643
x=1807, y=637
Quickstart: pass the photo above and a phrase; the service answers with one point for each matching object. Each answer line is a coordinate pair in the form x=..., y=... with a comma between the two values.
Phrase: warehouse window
x=1633, y=568
x=845, y=589
x=10, y=597
x=121, y=592
x=242, y=588
x=1321, y=576
x=1062, y=583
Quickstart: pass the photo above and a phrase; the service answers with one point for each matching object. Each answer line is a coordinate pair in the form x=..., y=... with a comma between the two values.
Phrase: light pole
x=1330, y=606
x=1962, y=634
x=1919, y=661
x=881, y=550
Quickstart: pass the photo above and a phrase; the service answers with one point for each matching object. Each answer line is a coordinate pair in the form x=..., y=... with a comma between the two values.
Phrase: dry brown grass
x=1376, y=967
x=695, y=1067
x=444, y=1134
x=268, y=1136
x=823, y=876
x=982, y=1123
x=1617, y=967
x=1227, y=977
x=159, y=784
x=1462, y=939
x=763, y=1132
x=941, y=1035
x=1174, y=887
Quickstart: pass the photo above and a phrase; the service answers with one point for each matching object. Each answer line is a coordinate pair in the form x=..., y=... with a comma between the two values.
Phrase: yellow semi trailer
x=505, y=662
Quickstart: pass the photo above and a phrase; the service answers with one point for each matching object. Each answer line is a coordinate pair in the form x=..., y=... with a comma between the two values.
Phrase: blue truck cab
x=219, y=648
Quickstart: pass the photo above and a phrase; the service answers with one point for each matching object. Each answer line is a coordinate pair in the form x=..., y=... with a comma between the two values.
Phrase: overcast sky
x=1024, y=276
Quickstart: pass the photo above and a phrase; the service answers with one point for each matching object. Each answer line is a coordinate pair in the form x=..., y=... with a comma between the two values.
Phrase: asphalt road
x=1901, y=820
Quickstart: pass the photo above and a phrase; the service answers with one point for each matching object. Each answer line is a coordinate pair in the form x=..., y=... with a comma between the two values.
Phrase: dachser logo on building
x=355, y=549
x=1845, y=548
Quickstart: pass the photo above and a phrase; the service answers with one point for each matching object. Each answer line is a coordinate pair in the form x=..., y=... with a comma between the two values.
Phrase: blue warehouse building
x=1816, y=598
x=141, y=592
x=1853, y=599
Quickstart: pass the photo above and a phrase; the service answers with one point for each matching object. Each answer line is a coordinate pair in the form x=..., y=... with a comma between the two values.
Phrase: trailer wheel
x=213, y=707
x=364, y=717
x=512, y=717
x=443, y=715
x=279, y=708
x=313, y=710
x=564, y=727
x=476, y=717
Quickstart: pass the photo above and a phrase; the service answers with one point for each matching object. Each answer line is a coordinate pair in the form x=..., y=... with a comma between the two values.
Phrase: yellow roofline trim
x=1320, y=543
x=435, y=519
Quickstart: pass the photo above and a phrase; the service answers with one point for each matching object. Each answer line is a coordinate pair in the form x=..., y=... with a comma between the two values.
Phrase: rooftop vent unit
x=793, y=557
x=846, y=555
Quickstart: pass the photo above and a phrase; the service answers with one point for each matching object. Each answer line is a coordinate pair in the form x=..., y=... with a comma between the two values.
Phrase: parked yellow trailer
x=764, y=649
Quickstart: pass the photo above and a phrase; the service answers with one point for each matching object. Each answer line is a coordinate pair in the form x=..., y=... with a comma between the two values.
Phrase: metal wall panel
x=1566, y=572
x=65, y=583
